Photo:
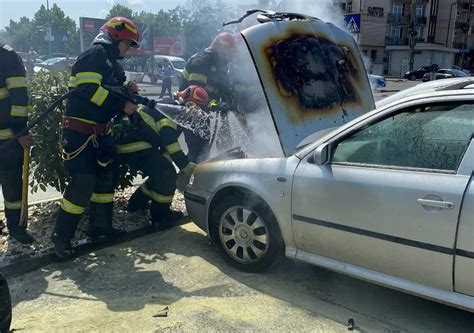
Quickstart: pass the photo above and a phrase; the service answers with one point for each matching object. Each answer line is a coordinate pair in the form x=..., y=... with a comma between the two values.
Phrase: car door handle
x=435, y=203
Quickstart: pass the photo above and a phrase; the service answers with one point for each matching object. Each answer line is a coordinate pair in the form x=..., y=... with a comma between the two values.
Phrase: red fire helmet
x=121, y=28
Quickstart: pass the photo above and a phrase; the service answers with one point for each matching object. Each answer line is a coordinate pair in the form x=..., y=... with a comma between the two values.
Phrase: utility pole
x=50, y=29
x=412, y=34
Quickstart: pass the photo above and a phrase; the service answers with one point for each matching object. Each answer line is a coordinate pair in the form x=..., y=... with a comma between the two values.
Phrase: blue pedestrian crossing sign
x=352, y=23
x=65, y=37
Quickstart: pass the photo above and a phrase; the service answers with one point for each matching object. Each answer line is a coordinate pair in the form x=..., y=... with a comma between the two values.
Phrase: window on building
x=349, y=6
x=397, y=9
x=420, y=11
x=373, y=55
x=395, y=32
x=419, y=32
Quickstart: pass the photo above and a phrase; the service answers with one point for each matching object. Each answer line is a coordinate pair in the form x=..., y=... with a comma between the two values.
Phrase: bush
x=47, y=167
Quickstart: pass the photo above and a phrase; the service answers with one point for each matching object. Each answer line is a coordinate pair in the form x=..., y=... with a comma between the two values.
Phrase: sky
x=14, y=9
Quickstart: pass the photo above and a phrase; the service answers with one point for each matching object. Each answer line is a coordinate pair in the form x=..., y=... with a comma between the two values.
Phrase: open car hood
x=311, y=72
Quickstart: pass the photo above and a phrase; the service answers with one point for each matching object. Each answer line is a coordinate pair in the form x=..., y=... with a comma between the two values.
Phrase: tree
x=165, y=23
x=202, y=22
x=20, y=34
x=120, y=10
x=26, y=33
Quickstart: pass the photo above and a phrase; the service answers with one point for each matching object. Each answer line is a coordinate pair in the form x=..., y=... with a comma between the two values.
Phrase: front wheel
x=412, y=77
x=246, y=233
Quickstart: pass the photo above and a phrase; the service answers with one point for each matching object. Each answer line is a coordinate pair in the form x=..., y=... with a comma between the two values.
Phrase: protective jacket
x=151, y=130
x=94, y=68
x=208, y=70
x=13, y=93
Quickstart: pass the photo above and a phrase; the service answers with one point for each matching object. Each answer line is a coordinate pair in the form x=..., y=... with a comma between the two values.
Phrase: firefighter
x=150, y=145
x=88, y=147
x=13, y=119
x=209, y=70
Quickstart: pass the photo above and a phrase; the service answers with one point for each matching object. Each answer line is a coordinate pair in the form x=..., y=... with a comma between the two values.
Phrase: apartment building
x=438, y=32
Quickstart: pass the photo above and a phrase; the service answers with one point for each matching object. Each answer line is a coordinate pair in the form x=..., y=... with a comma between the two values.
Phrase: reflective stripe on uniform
x=19, y=111
x=99, y=96
x=188, y=169
x=210, y=88
x=16, y=82
x=6, y=134
x=102, y=197
x=4, y=93
x=185, y=74
x=88, y=77
x=71, y=208
x=72, y=82
x=133, y=147
x=165, y=122
x=149, y=120
x=168, y=157
x=12, y=205
x=173, y=148
x=197, y=77
x=157, y=197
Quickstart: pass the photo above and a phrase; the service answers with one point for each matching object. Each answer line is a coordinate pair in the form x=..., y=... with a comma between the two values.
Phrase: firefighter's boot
x=162, y=217
x=14, y=229
x=64, y=231
x=100, y=223
x=138, y=201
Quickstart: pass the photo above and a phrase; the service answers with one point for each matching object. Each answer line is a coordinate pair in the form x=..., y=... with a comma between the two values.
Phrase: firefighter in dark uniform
x=88, y=147
x=13, y=119
x=209, y=70
x=150, y=145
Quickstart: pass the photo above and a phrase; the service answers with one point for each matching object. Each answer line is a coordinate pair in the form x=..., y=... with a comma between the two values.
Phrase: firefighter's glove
x=188, y=170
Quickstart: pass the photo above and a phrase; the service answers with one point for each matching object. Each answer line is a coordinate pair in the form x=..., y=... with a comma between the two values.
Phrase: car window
x=428, y=137
x=178, y=64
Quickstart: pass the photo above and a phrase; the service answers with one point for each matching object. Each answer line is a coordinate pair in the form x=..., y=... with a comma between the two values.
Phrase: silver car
x=387, y=197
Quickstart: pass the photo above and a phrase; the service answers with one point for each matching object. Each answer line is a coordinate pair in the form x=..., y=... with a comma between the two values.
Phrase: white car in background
x=387, y=197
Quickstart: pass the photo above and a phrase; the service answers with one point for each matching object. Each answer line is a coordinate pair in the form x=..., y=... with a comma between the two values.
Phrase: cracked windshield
x=236, y=165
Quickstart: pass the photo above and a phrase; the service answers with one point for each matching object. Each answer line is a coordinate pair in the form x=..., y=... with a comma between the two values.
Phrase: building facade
x=430, y=31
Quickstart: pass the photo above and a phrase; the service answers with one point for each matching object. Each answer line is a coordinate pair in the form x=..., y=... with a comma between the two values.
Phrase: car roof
x=429, y=88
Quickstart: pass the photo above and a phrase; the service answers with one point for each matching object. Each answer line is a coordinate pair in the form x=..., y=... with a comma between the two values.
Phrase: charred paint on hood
x=312, y=75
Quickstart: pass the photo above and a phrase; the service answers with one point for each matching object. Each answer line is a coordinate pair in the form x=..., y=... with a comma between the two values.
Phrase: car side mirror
x=322, y=154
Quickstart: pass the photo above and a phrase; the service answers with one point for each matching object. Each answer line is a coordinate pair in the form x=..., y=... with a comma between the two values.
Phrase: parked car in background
x=377, y=81
x=418, y=73
x=53, y=55
x=176, y=64
x=467, y=71
x=444, y=74
x=55, y=64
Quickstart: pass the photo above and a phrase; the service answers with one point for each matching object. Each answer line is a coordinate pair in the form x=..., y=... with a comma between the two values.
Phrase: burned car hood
x=312, y=75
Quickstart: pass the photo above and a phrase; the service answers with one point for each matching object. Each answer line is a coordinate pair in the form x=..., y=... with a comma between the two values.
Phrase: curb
x=26, y=263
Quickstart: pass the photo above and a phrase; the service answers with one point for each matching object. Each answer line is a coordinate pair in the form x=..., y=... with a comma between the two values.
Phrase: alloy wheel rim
x=243, y=234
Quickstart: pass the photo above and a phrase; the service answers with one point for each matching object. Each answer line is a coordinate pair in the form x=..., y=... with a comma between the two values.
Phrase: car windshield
x=459, y=73
x=178, y=64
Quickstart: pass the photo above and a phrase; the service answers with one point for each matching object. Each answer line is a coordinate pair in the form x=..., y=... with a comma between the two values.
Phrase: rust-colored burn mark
x=314, y=74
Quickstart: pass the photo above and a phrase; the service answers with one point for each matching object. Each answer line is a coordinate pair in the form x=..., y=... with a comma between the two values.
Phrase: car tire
x=246, y=233
x=412, y=77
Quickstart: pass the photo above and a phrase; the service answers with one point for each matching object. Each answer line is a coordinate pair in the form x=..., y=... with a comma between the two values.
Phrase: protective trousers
x=160, y=185
x=10, y=179
x=84, y=188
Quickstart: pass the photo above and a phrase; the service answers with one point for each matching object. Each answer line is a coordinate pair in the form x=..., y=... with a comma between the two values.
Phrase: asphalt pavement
x=176, y=281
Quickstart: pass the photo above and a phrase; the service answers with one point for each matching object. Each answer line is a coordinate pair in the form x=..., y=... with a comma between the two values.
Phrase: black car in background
x=418, y=73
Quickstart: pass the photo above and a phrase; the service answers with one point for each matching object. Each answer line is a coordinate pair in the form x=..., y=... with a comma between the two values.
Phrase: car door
x=389, y=199
x=464, y=259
